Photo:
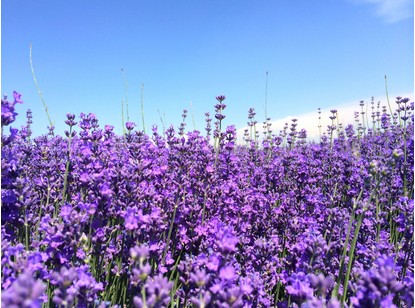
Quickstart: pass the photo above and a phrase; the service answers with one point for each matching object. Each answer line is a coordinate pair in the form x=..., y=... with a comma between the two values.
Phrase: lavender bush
x=93, y=219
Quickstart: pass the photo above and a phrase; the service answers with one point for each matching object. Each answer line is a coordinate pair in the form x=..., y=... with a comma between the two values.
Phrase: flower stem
x=142, y=107
x=38, y=89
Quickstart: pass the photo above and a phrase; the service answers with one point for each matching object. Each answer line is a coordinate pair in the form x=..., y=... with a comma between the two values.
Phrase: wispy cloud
x=391, y=11
x=310, y=121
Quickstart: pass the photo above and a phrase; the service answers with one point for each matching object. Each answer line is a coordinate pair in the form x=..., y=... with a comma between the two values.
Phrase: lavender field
x=196, y=219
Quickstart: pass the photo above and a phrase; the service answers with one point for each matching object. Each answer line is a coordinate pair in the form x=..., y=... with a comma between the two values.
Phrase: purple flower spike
x=17, y=97
x=200, y=278
x=220, y=98
x=130, y=126
x=24, y=292
x=227, y=273
x=8, y=115
x=139, y=252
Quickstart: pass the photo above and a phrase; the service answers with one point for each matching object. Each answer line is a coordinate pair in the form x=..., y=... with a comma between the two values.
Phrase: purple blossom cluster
x=94, y=219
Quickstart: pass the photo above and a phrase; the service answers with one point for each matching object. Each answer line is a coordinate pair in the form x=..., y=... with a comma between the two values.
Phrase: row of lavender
x=176, y=220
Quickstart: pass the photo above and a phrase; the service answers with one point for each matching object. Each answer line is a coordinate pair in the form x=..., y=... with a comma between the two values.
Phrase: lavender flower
x=8, y=114
x=95, y=218
x=25, y=291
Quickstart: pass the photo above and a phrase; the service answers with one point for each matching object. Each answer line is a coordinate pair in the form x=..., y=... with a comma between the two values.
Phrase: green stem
x=378, y=210
x=353, y=247
x=331, y=206
x=387, y=96
x=122, y=117
x=351, y=255
x=26, y=226
x=65, y=177
x=175, y=266
x=405, y=192
x=346, y=244
x=38, y=88
x=162, y=123
x=170, y=231
x=204, y=205
x=41, y=209
x=126, y=93
x=143, y=296
x=142, y=107
x=217, y=140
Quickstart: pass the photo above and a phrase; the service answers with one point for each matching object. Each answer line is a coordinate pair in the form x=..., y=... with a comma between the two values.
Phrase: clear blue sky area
x=317, y=53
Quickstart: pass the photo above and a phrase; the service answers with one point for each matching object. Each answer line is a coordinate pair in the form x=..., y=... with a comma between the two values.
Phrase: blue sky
x=317, y=53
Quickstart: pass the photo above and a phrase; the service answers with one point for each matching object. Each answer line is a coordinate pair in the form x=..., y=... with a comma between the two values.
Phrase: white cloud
x=310, y=121
x=391, y=10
